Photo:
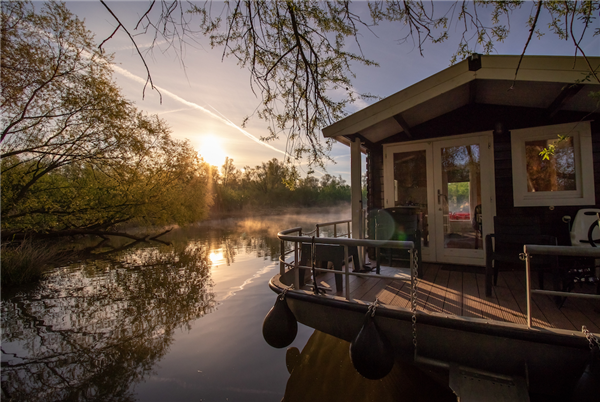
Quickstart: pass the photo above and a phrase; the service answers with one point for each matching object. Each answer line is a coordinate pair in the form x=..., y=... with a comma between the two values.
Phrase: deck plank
x=439, y=290
x=373, y=293
x=590, y=308
x=387, y=295
x=506, y=299
x=516, y=280
x=471, y=300
x=425, y=286
x=577, y=317
x=553, y=314
x=453, y=300
x=489, y=305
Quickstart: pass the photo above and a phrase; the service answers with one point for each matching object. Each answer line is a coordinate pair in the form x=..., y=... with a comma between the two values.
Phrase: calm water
x=156, y=323
x=181, y=323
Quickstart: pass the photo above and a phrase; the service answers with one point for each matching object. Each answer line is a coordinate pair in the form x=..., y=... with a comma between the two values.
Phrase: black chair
x=396, y=223
x=511, y=234
x=324, y=253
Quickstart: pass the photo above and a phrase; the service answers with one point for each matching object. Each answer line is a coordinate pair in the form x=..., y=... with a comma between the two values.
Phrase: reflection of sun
x=211, y=150
x=215, y=256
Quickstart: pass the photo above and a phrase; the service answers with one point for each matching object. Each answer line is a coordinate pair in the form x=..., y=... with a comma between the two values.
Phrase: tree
x=296, y=50
x=77, y=157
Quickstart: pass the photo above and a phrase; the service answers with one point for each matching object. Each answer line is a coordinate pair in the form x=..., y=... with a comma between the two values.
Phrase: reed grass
x=25, y=262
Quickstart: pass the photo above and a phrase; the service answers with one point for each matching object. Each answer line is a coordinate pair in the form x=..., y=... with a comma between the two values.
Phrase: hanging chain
x=373, y=307
x=415, y=269
x=282, y=294
x=592, y=339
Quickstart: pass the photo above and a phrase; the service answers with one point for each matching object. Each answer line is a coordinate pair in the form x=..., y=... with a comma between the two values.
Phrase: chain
x=592, y=339
x=415, y=269
x=282, y=295
x=373, y=307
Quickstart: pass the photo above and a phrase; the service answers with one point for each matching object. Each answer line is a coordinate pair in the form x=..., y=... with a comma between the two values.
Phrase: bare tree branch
x=120, y=25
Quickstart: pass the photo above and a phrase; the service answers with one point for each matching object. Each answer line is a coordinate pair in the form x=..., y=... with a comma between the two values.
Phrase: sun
x=211, y=150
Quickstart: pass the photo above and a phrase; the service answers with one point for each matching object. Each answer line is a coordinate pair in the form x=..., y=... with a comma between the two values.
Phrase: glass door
x=409, y=178
x=462, y=193
x=451, y=184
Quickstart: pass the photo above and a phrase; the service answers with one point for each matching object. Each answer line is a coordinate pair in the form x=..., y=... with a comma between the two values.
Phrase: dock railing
x=294, y=235
x=531, y=249
x=335, y=224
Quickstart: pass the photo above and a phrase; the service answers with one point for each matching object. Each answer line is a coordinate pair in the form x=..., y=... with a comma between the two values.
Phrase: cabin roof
x=552, y=83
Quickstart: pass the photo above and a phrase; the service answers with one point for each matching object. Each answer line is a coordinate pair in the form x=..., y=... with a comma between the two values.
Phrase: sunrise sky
x=205, y=99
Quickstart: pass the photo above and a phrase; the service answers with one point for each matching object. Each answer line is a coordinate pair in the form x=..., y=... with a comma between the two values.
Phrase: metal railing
x=335, y=224
x=531, y=249
x=295, y=236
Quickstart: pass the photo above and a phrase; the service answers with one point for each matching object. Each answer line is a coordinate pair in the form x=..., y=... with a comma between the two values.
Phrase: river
x=177, y=323
x=155, y=323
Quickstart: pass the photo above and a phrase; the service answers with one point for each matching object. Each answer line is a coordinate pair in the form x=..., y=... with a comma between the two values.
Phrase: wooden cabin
x=463, y=146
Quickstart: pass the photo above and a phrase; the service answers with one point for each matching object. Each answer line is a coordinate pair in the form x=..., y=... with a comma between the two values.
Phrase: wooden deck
x=456, y=290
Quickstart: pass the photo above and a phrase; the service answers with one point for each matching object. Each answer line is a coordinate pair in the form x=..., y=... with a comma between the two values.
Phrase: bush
x=26, y=262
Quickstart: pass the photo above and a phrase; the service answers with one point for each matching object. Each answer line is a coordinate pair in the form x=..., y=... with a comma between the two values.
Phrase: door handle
x=440, y=195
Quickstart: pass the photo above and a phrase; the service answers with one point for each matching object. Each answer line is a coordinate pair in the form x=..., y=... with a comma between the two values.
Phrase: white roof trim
x=533, y=68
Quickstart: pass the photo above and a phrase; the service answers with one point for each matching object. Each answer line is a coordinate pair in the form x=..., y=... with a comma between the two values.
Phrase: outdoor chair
x=504, y=247
x=396, y=223
x=324, y=253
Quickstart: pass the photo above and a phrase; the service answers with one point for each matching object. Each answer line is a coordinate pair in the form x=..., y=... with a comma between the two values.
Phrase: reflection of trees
x=461, y=165
x=554, y=174
x=88, y=334
x=460, y=161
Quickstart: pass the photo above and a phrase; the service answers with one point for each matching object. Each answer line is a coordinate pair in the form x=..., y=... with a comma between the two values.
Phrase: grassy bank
x=26, y=262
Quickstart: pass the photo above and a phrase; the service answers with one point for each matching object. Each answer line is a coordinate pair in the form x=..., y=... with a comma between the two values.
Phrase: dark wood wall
x=500, y=120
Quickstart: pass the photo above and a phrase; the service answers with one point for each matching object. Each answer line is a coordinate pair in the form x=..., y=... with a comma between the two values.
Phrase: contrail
x=225, y=120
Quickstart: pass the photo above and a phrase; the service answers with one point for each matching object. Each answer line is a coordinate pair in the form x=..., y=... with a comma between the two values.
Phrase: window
x=565, y=178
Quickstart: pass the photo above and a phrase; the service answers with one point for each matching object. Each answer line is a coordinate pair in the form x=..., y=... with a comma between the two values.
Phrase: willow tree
x=296, y=51
x=77, y=157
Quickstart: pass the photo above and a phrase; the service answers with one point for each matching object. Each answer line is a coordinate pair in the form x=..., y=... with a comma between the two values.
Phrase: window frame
x=582, y=146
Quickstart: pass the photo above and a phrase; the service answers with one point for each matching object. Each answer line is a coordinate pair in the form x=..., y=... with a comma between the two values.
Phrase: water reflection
x=88, y=332
x=323, y=371
x=127, y=329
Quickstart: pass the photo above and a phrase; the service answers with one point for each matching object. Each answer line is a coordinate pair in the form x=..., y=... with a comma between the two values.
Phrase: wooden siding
x=375, y=177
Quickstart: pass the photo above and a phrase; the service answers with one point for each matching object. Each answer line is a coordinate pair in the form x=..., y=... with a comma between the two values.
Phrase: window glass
x=410, y=186
x=555, y=173
x=564, y=177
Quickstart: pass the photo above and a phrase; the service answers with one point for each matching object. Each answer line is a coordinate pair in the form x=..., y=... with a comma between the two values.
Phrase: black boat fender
x=280, y=326
x=371, y=352
x=588, y=386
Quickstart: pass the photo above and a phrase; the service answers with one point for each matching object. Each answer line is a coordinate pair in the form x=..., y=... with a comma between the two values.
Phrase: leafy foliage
x=273, y=184
x=75, y=152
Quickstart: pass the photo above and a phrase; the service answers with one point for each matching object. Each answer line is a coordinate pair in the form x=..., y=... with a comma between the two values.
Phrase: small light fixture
x=499, y=128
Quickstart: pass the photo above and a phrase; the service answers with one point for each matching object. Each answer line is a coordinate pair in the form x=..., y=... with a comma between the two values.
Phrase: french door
x=451, y=182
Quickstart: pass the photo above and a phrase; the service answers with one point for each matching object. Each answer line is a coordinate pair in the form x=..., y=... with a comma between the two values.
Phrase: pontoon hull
x=550, y=360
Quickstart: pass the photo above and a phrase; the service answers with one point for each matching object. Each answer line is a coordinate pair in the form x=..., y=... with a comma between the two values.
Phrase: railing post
x=346, y=274
x=412, y=282
x=317, y=231
x=335, y=230
x=281, y=257
x=528, y=283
